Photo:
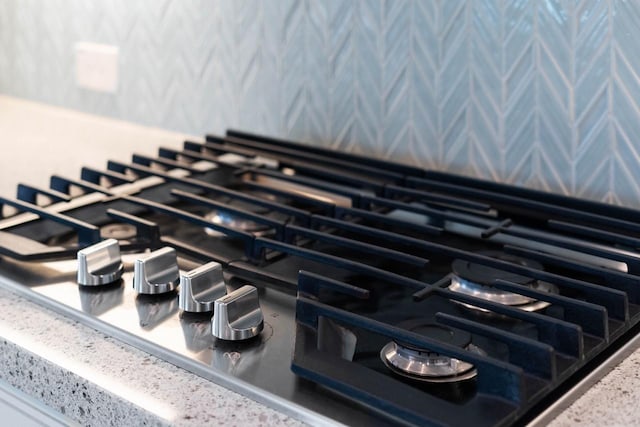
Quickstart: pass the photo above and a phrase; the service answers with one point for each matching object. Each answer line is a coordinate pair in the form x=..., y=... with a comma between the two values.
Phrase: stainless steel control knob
x=199, y=288
x=237, y=315
x=156, y=273
x=100, y=264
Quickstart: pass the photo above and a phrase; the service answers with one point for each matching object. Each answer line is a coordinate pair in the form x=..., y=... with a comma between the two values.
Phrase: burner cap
x=484, y=275
x=437, y=332
x=476, y=280
x=427, y=366
x=118, y=231
x=235, y=222
x=242, y=224
x=248, y=206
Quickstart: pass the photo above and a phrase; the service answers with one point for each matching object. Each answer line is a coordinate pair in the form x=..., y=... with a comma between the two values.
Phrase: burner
x=476, y=280
x=426, y=366
x=118, y=231
x=235, y=222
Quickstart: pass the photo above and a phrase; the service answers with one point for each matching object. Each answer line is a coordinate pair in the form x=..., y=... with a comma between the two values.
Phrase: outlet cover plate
x=97, y=66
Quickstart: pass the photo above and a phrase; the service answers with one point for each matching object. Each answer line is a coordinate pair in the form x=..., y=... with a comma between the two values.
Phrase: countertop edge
x=97, y=380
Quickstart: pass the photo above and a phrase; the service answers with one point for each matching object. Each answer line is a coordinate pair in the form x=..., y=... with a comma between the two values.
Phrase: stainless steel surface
x=303, y=190
x=91, y=198
x=425, y=365
x=489, y=293
x=239, y=160
x=237, y=316
x=118, y=231
x=253, y=368
x=471, y=231
x=157, y=272
x=200, y=287
x=154, y=311
x=100, y=264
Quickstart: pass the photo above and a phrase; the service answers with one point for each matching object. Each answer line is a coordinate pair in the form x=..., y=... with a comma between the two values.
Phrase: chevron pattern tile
x=539, y=93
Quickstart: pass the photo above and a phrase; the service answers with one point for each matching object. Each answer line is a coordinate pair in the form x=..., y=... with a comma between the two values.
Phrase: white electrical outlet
x=97, y=66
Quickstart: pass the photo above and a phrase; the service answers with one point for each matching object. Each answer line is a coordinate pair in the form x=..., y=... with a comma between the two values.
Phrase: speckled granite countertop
x=98, y=380
x=613, y=401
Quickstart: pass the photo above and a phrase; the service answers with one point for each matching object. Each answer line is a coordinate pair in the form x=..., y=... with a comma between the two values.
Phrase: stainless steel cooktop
x=334, y=287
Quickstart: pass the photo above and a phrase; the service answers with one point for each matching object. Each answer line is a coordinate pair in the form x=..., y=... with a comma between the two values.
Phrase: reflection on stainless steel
x=230, y=362
x=90, y=198
x=256, y=370
x=232, y=159
x=157, y=272
x=118, y=231
x=235, y=222
x=97, y=301
x=201, y=165
x=336, y=339
x=471, y=231
x=427, y=366
x=303, y=190
x=196, y=328
x=236, y=357
x=237, y=316
x=237, y=160
x=100, y=264
x=154, y=309
x=200, y=287
x=407, y=216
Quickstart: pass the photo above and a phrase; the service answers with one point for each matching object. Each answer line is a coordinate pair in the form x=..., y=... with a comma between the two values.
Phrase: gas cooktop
x=334, y=287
